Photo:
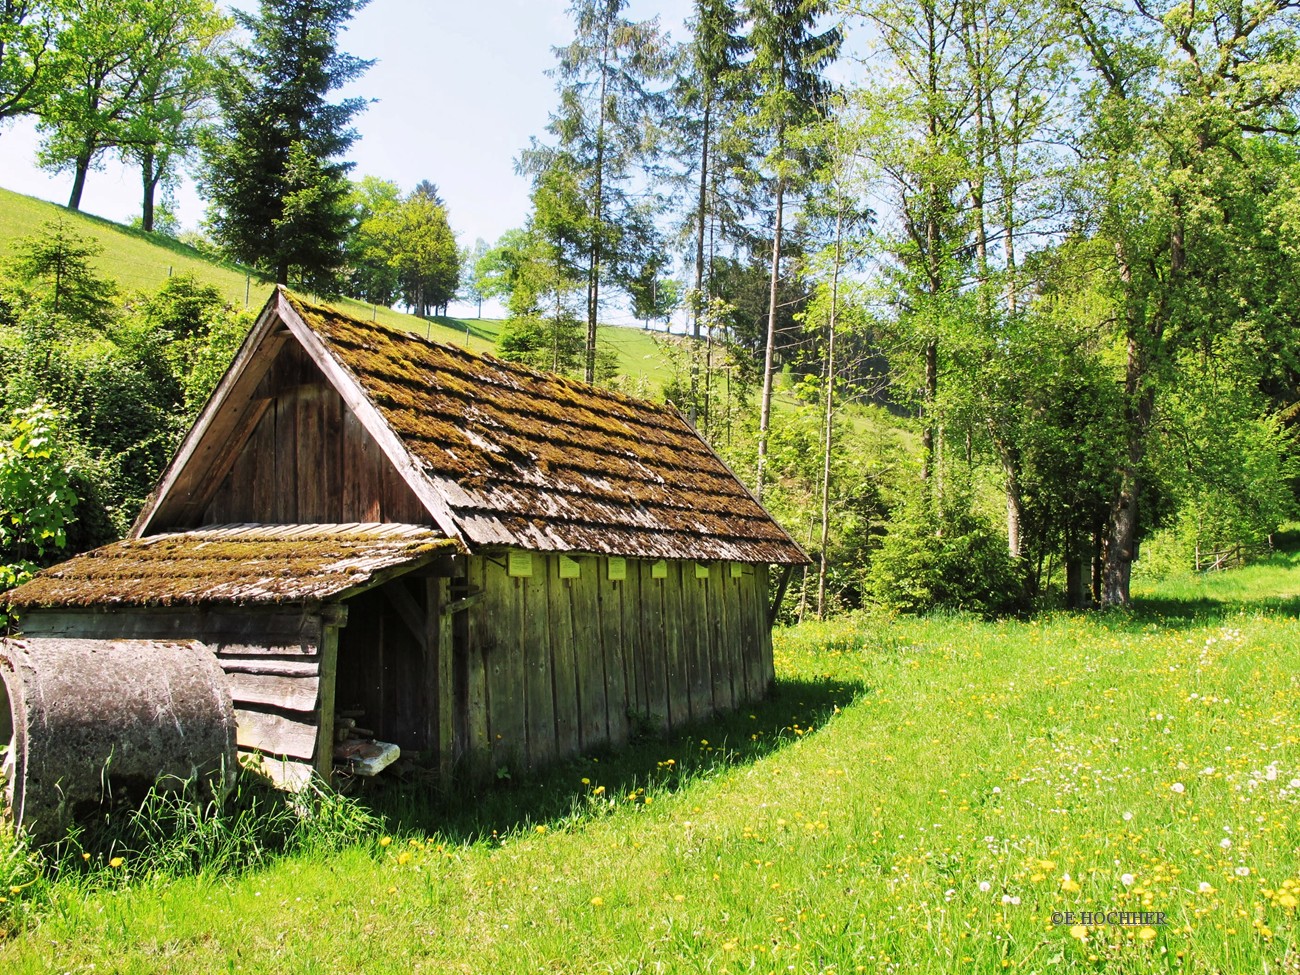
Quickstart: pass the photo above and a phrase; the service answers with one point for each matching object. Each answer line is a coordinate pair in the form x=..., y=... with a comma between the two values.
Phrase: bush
x=948, y=559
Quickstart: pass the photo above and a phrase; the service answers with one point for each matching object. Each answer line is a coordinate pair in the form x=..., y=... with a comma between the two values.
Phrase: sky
x=458, y=87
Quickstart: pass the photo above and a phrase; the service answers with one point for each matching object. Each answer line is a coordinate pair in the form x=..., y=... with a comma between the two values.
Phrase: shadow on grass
x=649, y=764
x=1180, y=613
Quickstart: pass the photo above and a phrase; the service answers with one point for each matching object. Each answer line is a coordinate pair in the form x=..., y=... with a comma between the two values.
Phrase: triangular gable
x=498, y=455
x=220, y=437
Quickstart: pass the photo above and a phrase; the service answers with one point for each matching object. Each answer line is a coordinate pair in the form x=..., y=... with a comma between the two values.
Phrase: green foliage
x=26, y=29
x=946, y=559
x=36, y=497
x=55, y=267
x=277, y=190
x=554, y=344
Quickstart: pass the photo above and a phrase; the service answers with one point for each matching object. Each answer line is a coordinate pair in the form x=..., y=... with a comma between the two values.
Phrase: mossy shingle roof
x=532, y=460
x=233, y=564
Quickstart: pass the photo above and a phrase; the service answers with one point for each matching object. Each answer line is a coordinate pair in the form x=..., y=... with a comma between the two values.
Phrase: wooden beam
x=329, y=658
x=786, y=571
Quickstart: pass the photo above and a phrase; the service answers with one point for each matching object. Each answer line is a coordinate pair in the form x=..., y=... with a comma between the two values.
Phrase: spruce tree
x=276, y=184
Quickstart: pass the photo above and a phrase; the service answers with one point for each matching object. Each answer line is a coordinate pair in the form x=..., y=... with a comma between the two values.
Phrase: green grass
x=912, y=798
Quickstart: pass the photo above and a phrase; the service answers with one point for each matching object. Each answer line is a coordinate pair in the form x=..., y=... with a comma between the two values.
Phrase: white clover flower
x=1179, y=788
x=1242, y=871
x=1225, y=843
x=985, y=886
x=1127, y=880
x=1128, y=816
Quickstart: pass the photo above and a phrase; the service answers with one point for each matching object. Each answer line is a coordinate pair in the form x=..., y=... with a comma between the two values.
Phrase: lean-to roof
x=524, y=458
x=234, y=564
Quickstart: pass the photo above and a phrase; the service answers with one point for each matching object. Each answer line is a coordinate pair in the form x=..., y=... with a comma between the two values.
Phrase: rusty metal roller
x=86, y=718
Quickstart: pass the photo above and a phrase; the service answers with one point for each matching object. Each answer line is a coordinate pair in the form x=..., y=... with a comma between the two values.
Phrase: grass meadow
x=917, y=795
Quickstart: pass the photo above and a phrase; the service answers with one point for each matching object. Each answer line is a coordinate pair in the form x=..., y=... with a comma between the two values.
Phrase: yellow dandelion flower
x=403, y=858
x=116, y=862
x=597, y=901
x=385, y=841
x=1080, y=932
x=1069, y=885
x=541, y=828
x=1288, y=901
x=1147, y=934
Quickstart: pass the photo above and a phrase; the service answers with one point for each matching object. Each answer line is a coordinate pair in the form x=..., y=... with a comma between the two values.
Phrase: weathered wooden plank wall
x=308, y=460
x=554, y=667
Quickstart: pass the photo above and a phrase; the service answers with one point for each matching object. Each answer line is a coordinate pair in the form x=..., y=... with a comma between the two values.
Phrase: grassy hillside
x=936, y=795
x=138, y=261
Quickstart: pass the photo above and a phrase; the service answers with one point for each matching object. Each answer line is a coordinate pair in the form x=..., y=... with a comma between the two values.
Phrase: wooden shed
x=489, y=566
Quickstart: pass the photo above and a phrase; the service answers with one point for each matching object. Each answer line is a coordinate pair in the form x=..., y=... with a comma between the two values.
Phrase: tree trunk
x=828, y=441
x=769, y=355
x=149, y=180
x=80, y=168
x=1120, y=547
x=699, y=252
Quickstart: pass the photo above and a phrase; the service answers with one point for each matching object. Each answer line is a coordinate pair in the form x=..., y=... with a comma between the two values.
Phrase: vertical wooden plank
x=331, y=463
x=678, y=680
x=539, y=688
x=745, y=634
x=695, y=598
x=589, y=657
x=286, y=460
x=446, y=694
x=563, y=662
x=480, y=749
x=361, y=488
x=610, y=610
x=329, y=658
x=721, y=666
x=734, y=639
x=654, y=648
x=309, y=450
x=504, y=663
x=432, y=602
x=764, y=635
x=633, y=623
x=262, y=468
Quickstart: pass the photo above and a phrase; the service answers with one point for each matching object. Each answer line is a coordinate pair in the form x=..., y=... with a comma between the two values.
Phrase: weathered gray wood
x=610, y=613
x=309, y=486
x=539, y=688
x=230, y=632
x=720, y=641
x=763, y=637
x=589, y=657
x=276, y=734
x=632, y=624
x=476, y=709
x=285, y=508
x=505, y=670
x=679, y=687
x=287, y=693
x=361, y=481
x=564, y=662
x=695, y=639
x=324, y=704
x=654, y=648
x=446, y=686
x=266, y=666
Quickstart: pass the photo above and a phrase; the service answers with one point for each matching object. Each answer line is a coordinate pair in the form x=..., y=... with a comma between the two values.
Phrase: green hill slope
x=140, y=261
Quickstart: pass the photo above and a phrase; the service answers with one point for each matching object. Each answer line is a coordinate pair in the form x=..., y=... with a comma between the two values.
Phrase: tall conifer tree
x=277, y=186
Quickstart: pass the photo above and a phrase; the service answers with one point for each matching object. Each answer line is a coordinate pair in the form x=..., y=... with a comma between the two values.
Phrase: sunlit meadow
x=920, y=795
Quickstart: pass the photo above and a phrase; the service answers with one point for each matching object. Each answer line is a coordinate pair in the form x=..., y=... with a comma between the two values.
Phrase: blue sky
x=460, y=88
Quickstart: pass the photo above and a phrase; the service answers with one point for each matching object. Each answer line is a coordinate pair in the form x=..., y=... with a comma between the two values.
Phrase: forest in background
x=1058, y=241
